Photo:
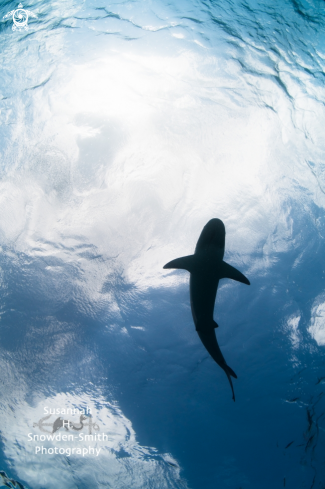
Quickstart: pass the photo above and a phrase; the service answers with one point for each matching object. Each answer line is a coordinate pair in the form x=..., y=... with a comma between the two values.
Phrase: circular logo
x=20, y=18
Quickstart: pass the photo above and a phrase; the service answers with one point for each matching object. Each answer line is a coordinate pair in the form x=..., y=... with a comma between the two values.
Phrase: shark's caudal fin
x=227, y=271
x=230, y=381
x=183, y=263
x=231, y=372
x=210, y=342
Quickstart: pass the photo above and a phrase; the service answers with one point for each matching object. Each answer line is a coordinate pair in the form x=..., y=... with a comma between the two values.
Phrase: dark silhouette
x=207, y=267
x=59, y=423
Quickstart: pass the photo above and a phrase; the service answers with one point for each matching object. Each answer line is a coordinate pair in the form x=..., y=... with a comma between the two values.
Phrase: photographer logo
x=20, y=18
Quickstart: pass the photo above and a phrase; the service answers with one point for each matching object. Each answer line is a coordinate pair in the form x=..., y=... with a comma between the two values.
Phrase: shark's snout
x=213, y=234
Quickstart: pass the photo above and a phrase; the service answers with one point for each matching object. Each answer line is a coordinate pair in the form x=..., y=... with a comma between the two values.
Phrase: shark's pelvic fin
x=227, y=271
x=183, y=263
x=216, y=325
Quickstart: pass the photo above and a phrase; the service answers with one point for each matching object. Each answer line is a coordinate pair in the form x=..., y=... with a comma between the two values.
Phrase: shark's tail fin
x=229, y=372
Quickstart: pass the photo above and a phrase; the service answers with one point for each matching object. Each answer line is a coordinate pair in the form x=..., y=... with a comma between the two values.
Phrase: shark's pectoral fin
x=216, y=325
x=183, y=263
x=227, y=271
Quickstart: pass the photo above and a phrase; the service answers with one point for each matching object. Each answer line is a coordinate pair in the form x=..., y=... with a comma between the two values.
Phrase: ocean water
x=125, y=127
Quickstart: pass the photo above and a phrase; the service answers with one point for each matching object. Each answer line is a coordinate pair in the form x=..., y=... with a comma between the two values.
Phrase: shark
x=207, y=267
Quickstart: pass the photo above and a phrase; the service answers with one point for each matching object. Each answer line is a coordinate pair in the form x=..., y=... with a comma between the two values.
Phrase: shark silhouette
x=206, y=268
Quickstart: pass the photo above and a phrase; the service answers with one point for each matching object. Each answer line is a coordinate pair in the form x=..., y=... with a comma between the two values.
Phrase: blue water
x=125, y=127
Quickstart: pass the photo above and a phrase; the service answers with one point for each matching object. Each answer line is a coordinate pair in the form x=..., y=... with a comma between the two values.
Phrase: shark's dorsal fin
x=183, y=263
x=227, y=271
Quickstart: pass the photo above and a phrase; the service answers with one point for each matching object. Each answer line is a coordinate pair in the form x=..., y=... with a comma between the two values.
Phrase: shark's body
x=207, y=267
